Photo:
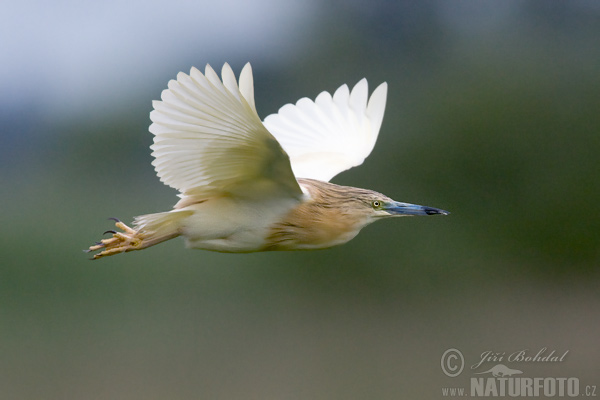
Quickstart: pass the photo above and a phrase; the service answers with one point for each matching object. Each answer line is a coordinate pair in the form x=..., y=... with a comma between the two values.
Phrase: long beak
x=398, y=209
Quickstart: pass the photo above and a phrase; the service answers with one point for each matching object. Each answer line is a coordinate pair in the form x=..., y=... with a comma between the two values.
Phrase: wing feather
x=247, y=85
x=332, y=133
x=209, y=139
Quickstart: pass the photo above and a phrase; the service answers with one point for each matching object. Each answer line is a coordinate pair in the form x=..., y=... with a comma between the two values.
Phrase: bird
x=249, y=185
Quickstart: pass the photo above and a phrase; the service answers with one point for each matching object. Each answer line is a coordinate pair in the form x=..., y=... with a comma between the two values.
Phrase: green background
x=499, y=124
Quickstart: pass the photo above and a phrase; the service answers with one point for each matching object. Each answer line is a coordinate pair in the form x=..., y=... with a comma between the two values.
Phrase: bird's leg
x=120, y=242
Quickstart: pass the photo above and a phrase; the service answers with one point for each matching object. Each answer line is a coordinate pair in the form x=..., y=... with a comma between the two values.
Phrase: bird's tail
x=160, y=224
x=148, y=230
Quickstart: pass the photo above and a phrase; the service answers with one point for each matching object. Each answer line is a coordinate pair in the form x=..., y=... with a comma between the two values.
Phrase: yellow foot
x=120, y=242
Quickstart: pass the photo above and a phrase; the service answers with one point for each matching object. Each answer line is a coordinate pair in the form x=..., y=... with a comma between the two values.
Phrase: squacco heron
x=248, y=185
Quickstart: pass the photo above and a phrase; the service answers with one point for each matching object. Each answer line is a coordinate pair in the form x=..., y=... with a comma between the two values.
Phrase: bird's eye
x=376, y=203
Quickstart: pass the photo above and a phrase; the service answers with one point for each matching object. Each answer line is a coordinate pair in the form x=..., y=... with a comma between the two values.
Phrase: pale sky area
x=67, y=56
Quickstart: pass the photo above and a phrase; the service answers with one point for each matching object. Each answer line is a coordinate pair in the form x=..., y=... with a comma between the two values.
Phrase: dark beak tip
x=434, y=211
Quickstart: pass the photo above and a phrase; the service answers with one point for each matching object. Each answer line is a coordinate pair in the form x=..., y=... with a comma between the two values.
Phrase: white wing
x=209, y=138
x=331, y=134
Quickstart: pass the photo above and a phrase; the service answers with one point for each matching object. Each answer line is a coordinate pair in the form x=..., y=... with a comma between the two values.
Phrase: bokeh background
x=493, y=114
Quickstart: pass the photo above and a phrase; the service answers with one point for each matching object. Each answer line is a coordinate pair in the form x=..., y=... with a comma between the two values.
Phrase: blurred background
x=493, y=114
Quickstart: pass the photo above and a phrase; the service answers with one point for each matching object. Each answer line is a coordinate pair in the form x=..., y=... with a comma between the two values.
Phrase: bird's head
x=361, y=205
x=375, y=206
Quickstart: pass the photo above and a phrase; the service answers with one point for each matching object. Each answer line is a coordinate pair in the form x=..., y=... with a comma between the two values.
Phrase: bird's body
x=248, y=185
x=228, y=224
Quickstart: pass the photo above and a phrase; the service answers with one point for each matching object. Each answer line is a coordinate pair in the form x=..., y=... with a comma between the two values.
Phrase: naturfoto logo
x=498, y=378
x=500, y=371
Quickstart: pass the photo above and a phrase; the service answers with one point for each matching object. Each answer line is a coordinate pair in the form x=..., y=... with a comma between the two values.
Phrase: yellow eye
x=376, y=204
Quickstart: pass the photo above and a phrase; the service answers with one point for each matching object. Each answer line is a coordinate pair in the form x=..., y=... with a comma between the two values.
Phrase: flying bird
x=248, y=185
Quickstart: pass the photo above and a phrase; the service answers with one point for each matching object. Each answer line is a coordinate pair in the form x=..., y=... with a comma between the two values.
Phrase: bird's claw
x=120, y=242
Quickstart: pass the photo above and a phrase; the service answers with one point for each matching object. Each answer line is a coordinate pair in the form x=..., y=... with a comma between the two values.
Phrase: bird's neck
x=322, y=220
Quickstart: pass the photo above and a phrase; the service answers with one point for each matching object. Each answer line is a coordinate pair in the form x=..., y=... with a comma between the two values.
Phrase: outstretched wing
x=331, y=134
x=209, y=138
